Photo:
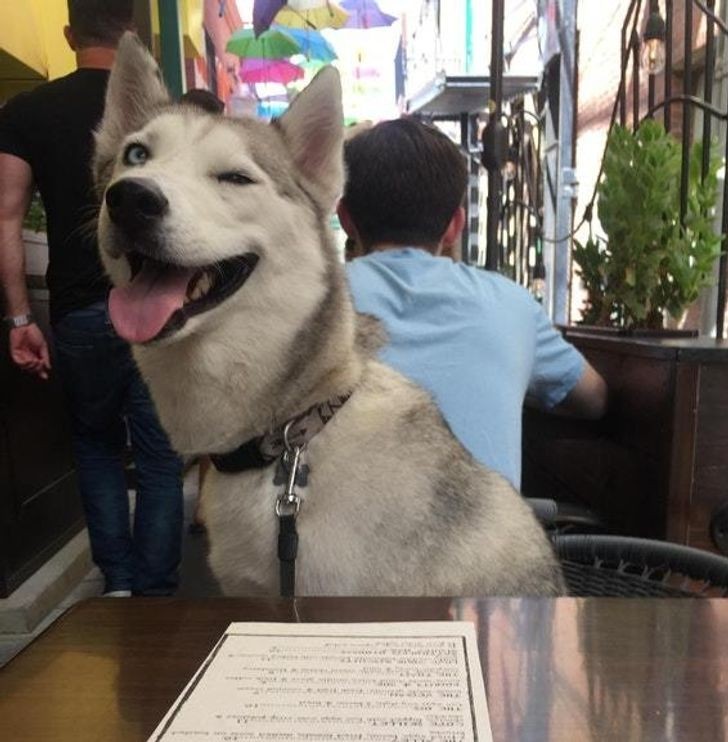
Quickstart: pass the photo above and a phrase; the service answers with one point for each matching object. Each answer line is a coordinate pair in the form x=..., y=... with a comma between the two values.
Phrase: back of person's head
x=204, y=99
x=405, y=182
x=99, y=22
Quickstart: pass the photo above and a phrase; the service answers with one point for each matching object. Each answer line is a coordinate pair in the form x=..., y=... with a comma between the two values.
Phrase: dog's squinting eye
x=234, y=178
x=136, y=154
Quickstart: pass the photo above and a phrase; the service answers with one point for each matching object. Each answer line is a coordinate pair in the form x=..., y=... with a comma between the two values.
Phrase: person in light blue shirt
x=477, y=341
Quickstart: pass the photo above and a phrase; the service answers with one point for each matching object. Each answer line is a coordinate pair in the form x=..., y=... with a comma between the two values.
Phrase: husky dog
x=214, y=233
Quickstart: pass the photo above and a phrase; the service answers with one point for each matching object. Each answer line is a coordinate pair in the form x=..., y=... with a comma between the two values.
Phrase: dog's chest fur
x=393, y=506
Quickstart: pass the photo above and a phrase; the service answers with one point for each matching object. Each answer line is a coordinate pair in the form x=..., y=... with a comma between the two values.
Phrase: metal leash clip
x=288, y=502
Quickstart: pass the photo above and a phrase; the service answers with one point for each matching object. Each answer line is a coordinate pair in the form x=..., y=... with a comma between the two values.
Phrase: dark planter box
x=657, y=464
x=595, y=330
x=40, y=509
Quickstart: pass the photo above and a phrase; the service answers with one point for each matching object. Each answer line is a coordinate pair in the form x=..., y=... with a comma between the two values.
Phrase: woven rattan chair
x=564, y=517
x=620, y=566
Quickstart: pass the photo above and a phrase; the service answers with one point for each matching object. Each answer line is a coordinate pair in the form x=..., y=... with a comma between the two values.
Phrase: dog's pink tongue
x=140, y=310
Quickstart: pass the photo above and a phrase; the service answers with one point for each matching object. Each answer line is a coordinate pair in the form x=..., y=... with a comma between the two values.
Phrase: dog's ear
x=135, y=92
x=313, y=127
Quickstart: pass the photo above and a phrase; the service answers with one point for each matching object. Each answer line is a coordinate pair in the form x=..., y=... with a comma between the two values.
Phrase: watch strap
x=19, y=320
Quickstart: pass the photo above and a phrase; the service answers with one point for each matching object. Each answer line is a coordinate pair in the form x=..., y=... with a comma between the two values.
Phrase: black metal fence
x=523, y=173
x=634, y=103
x=519, y=236
x=516, y=193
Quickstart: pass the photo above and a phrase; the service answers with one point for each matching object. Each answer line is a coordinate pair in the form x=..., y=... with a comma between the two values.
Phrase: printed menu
x=385, y=682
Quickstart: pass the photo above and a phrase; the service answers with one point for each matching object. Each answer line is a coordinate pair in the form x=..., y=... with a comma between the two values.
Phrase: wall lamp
x=652, y=56
x=494, y=140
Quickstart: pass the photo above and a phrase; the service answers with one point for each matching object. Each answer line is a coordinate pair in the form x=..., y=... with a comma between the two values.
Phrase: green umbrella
x=269, y=45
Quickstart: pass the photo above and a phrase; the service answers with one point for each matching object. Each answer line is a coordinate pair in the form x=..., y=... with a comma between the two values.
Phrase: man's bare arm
x=28, y=347
x=588, y=398
x=16, y=190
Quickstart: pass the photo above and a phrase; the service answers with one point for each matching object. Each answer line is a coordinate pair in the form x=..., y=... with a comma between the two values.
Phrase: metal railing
x=515, y=204
x=632, y=105
x=519, y=236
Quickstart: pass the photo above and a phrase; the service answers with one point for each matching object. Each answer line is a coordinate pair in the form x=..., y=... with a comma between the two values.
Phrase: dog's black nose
x=135, y=204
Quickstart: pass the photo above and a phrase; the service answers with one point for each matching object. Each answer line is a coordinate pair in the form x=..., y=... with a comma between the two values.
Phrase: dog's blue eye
x=136, y=154
x=234, y=178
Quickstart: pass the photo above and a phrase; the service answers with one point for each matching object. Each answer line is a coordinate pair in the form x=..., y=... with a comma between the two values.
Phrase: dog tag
x=283, y=471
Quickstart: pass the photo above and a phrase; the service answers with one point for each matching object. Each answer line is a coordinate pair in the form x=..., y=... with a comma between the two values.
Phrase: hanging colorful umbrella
x=269, y=70
x=270, y=109
x=269, y=45
x=308, y=65
x=264, y=11
x=312, y=43
x=311, y=14
x=365, y=14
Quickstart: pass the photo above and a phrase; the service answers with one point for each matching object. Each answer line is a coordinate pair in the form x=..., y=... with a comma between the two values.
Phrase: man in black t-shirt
x=46, y=139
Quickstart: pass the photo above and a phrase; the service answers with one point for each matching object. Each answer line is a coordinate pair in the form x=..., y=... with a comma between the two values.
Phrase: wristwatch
x=19, y=320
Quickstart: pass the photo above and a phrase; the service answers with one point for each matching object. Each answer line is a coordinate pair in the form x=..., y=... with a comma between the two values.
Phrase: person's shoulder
x=360, y=263
x=38, y=95
x=500, y=285
x=19, y=114
x=78, y=82
x=18, y=103
x=389, y=257
x=498, y=293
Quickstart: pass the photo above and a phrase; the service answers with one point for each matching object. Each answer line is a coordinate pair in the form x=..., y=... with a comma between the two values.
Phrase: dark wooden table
x=566, y=669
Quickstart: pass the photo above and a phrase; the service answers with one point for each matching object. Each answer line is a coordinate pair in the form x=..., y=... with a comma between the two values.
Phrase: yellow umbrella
x=32, y=47
x=311, y=14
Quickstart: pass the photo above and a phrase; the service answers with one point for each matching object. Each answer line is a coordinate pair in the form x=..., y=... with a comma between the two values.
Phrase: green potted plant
x=650, y=264
x=35, y=218
x=35, y=239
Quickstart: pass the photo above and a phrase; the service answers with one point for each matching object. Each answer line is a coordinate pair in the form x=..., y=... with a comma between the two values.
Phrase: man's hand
x=29, y=350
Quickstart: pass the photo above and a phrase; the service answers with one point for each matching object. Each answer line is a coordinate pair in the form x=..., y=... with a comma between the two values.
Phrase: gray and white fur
x=394, y=504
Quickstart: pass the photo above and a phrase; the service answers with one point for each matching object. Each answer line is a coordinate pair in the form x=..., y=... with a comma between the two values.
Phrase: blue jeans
x=110, y=404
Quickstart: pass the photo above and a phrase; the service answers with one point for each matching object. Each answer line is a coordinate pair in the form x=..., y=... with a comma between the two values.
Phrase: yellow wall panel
x=191, y=18
x=192, y=14
x=32, y=46
x=21, y=35
x=60, y=60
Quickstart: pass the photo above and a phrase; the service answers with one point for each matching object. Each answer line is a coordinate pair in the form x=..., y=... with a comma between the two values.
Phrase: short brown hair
x=100, y=22
x=204, y=99
x=405, y=182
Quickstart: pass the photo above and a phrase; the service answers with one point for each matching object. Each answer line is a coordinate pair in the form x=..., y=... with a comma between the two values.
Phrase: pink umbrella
x=365, y=14
x=254, y=70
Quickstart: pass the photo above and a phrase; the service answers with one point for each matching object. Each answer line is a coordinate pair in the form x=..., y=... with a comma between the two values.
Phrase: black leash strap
x=285, y=445
x=287, y=506
x=287, y=550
